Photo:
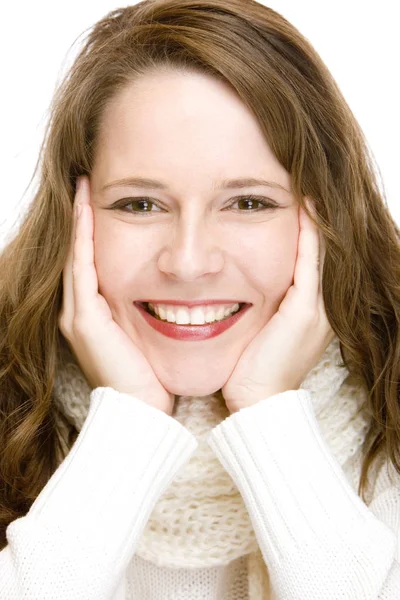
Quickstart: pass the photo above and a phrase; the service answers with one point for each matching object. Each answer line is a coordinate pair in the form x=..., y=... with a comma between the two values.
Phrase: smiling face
x=194, y=239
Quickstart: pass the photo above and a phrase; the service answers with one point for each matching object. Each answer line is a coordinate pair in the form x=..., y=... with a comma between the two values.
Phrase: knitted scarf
x=201, y=520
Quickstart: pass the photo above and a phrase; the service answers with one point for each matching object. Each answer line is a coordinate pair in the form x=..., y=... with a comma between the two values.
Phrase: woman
x=154, y=448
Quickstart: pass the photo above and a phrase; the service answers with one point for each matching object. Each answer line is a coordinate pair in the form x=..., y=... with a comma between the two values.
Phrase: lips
x=191, y=332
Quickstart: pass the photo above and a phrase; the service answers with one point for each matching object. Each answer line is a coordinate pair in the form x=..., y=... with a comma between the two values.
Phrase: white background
x=358, y=41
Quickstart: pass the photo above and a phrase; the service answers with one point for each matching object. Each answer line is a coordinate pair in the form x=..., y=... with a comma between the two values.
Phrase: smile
x=190, y=332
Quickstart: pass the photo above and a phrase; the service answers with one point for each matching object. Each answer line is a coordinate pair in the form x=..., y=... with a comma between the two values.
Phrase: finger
x=322, y=253
x=307, y=276
x=68, y=302
x=85, y=283
x=321, y=242
x=321, y=261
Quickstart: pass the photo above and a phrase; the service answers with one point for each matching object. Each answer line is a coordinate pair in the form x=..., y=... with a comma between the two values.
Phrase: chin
x=192, y=378
x=192, y=388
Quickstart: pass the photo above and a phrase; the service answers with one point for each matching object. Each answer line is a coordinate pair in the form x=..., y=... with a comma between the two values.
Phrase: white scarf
x=201, y=520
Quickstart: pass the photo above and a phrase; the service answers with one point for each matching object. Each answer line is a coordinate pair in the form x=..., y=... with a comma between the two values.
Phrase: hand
x=281, y=355
x=105, y=353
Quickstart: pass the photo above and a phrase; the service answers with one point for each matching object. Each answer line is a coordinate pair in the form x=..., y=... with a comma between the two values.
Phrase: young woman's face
x=190, y=132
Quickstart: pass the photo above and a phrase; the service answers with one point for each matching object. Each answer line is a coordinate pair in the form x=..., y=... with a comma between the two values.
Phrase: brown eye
x=140, y=206
x=144, y=205
x=254, y=203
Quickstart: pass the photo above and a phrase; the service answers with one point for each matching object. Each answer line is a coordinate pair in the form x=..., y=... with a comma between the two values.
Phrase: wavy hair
x=314, y=135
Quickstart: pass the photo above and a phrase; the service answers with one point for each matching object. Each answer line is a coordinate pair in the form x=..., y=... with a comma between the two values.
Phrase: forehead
x=175, y=123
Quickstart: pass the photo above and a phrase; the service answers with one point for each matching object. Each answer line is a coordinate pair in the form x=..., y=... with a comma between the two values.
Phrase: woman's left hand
x=281, y=355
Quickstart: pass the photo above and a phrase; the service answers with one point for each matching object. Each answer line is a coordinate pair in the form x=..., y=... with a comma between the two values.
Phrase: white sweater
x=322, y=542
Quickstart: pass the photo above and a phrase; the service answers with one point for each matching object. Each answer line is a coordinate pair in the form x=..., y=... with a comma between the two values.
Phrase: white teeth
x=199, y=315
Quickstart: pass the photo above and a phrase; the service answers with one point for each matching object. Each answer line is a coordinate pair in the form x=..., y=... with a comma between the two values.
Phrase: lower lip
x=192, y=332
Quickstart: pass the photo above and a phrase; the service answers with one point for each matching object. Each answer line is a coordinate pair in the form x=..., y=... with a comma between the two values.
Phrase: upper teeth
x=194, y=316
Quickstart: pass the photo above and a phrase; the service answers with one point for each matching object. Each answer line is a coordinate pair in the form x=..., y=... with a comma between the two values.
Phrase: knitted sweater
x=110, y=525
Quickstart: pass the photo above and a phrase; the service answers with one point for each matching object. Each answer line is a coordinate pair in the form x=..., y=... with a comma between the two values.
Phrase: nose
x=192, y=251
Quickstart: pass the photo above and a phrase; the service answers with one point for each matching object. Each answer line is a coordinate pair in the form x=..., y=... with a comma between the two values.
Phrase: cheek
x=116, y=260
x=267, y=257
x=270, y=259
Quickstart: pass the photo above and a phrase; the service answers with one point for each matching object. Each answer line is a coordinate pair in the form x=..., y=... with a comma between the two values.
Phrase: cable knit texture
x=201, y=519
x=203, y=505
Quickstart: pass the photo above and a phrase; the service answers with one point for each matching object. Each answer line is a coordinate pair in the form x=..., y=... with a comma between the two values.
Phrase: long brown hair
x=314, y=135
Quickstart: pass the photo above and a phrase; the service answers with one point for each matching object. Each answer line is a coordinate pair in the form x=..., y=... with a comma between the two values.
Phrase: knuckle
x=64, y=327
x=61, y=322
x=80, y=326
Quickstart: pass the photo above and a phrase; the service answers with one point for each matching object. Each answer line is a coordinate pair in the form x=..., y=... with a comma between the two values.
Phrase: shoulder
x=384, y=480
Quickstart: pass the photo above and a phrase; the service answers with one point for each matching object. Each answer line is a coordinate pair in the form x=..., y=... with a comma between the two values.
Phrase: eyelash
x=266, y=204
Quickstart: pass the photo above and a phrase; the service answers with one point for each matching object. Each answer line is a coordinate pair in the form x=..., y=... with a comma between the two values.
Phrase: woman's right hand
x=105, y=353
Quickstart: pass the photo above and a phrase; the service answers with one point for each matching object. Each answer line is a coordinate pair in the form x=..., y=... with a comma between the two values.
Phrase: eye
x=253, y=201
x=140, y=203
x=143, y=205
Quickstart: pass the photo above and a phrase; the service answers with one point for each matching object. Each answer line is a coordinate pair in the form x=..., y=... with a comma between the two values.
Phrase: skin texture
x=190, y=131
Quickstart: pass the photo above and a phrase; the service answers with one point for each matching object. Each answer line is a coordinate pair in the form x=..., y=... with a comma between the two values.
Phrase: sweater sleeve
x=79, y=535
x=318, y=538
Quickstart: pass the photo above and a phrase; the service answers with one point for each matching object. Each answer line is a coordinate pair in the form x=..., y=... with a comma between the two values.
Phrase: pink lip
x=191, y=332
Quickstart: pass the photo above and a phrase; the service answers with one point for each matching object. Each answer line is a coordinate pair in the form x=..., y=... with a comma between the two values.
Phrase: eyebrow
x=145, y=182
